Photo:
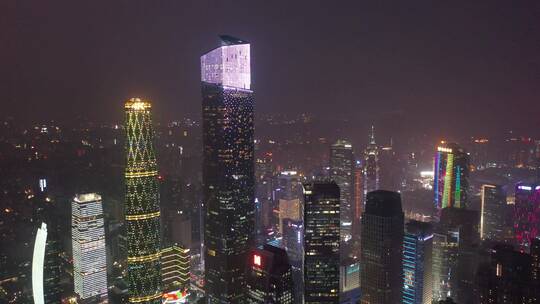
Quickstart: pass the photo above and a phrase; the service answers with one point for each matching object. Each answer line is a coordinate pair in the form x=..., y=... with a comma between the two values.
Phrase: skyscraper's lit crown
x=228, y=65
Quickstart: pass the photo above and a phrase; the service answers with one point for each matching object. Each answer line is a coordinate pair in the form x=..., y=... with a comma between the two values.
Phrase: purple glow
x=228, y=65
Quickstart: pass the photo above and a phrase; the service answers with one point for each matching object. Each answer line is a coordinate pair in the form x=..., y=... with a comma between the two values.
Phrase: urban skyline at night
x=253, y=153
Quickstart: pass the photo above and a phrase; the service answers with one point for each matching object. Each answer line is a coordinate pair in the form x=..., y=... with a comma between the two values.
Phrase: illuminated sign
x=443, y=149
x=177, y=296
x=257, y=260
x=526, y=188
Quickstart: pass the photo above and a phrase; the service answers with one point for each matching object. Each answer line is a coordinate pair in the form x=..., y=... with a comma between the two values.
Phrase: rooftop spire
x=372, y=135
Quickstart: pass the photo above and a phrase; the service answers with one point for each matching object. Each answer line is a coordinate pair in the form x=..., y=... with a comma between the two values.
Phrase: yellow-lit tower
x=142, y=214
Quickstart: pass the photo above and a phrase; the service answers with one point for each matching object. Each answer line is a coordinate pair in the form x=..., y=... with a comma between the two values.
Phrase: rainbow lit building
x=526, y=214
x=451, y=176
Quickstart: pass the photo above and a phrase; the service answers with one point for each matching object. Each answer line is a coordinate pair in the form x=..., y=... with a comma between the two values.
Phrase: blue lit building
x=417, y=253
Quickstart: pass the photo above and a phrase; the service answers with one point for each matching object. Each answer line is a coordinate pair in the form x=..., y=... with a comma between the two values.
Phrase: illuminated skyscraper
x=493, y=213
x=228, y=168
x=89, y=254
x=381, y=273
x=417, y=263
x=342, y=172
x=269, y=278
x=37, y=265
x=371, y=165
x=175, y=268
x=142, y=214
x=321, y=242
x=451, y=176
x=527, y=214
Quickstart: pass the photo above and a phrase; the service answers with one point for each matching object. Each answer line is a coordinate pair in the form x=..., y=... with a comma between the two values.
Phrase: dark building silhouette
x=228, y=168
x=381, y=278
x=494, y=213
x=321, y=242
x=506, y=278
x=269, y=276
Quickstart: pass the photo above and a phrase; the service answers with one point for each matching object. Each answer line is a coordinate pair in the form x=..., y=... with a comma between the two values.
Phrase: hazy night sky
x=475, y=63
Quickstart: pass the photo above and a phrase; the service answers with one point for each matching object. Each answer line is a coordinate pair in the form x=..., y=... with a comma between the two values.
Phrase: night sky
x=460, y=65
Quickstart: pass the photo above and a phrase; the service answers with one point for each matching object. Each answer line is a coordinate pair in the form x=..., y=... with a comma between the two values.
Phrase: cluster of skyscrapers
x=341, y=237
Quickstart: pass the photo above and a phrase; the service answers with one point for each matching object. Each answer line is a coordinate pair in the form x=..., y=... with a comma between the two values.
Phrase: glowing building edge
x=37, y=264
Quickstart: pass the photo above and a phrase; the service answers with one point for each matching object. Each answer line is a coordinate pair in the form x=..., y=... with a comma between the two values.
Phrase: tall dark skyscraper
x=228, y=168
x=142, y=213
x=381, y=278
x=342, y=172
x=371, y=165
x=417, y=263
x=451, y=176
x=493, y=213
x=269, y=277
x=321, y=242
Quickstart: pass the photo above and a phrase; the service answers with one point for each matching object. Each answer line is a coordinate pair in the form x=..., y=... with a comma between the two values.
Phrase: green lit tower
x=142, y=215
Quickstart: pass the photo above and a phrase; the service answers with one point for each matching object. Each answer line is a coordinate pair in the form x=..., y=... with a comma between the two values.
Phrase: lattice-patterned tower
x=142, y=215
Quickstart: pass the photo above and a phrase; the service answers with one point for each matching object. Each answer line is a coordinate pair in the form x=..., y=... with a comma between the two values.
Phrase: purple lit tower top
x=228, y=65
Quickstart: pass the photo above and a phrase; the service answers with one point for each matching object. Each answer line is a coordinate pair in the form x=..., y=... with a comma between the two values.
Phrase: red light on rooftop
x=257, y=260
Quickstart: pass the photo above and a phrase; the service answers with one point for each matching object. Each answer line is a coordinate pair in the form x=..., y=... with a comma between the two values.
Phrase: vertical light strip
x=457, y=203
x=37, y=264
x=448, y=181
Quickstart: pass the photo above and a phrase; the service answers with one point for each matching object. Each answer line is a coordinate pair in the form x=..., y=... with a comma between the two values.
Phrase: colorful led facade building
x=321, y=242
x=371, y=165
x=38, y=263
x=381, y=273
x=269, y=277
x=228, y=168
x=493, y=213
x=417, y=263
x=89, y=253
x=342, y=172
x=142, y=213
x=526, y=214
x=451, y=176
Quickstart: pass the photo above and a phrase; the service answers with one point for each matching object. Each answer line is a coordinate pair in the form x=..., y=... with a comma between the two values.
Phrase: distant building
x=506, y=278
x=349, y=282
x=342, y=172
x=455, y=249
x=89, y=254
x=269, y=277
x=321, y=242
x=451, y=176
x=371, y=165
x=293, y=242
x=381, y=270
x=417, y=263
x=175, y=268
x=493, y=213
x=228, y=168
x=527, y=214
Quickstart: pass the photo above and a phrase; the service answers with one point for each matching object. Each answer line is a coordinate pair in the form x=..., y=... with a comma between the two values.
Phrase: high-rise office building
x=288, y=194
x=493, y=213
x=293, y=242
x=527, y=214
x=321, y=242
x=451, y=176
x=342, y=172
x=371, y=165
x=417, y=263
x=269, y=276
x=89, y=254
x=142, y=213
x=175, y=268
x=381, y=273
x=349, y=282
x=228, y=168
x=455, y=249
